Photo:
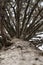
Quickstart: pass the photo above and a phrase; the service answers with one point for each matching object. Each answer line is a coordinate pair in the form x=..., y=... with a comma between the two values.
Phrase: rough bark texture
x=21, y=53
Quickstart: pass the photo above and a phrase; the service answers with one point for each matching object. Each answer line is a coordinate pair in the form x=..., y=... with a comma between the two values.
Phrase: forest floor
x=21, y=53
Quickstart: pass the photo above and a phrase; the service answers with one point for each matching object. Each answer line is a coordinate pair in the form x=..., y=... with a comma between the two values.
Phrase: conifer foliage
x=20, y=18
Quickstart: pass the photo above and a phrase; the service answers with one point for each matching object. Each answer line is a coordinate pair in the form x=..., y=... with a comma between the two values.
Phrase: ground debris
x=17, y=56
